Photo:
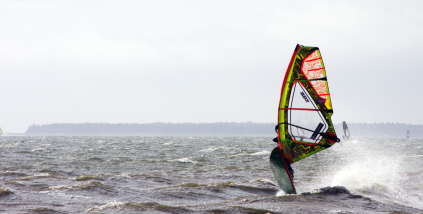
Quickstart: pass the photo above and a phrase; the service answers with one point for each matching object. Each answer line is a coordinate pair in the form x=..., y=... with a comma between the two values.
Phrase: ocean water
x=204, y=175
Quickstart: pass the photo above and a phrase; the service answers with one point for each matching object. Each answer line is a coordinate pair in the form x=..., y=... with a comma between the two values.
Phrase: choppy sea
x=204, y=175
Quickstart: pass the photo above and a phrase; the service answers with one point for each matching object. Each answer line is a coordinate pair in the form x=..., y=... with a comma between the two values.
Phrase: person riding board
x=288, y=164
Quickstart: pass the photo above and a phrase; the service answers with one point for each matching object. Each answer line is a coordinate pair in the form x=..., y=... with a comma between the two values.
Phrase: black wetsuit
x=291, y=171
x=288, y=164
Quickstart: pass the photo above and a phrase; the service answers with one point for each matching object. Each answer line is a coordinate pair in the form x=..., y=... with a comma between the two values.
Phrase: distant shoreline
x=396, y=130
x=13, y=134
x=150, y=134
x=153, y=129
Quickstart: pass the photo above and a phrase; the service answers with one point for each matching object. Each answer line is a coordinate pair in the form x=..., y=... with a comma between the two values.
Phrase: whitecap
x=41, y=175
x=264, y=152
x=280, y=193
x=124, y=175
x=114, y=204
x=264, y=181
x=214, y=149
x=184, y=160
x=209, y=149
x=5, y=191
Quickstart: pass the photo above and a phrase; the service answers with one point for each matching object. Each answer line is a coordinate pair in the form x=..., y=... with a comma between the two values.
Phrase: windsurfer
x=305, y=103
x=288, y=164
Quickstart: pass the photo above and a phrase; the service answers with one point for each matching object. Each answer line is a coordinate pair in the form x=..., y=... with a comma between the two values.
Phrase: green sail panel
x=305, y=108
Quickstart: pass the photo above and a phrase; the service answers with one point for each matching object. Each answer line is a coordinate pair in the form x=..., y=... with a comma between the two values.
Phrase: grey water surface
x=204, y=175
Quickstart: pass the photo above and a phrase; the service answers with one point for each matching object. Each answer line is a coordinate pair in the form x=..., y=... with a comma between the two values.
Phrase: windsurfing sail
x=346, y=131
x=408, y=134
x=1, y=131
x=305, y=109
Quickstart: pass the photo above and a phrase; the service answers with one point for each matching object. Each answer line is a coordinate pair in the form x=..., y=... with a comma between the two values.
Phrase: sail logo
x=304, y=96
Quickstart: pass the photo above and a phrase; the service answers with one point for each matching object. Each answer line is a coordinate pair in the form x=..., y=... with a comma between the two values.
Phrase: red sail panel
x=313, y=68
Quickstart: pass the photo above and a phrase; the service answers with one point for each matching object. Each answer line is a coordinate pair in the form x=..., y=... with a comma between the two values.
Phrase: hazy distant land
x=234, y=129
x=397, y=130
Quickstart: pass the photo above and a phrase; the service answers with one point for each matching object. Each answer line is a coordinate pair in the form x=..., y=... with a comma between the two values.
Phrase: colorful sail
x=1, y=131
x=305, y=109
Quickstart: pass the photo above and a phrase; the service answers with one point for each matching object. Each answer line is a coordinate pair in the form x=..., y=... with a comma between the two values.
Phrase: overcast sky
x=203, y=61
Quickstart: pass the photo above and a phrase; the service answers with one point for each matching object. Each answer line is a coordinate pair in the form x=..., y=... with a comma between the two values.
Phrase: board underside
x=281, y=173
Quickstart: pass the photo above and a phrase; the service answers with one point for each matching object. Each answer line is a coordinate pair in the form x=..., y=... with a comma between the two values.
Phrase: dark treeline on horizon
x=397, y=130
x=248, y=128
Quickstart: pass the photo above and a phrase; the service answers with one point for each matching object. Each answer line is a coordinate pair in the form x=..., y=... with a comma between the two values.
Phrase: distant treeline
x=398, y=130
x=247, y=128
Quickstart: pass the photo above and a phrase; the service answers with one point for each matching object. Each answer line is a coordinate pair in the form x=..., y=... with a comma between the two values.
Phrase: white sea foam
x=368, y=169
x=209, y=149
x=368, y=173
x=282, y=193
x=184, y=160
x=264, y=181
x=114, y=204
x=124, y=175
x=213, y=149
x=34, y=176
x=366, y=166
x=264, y=152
